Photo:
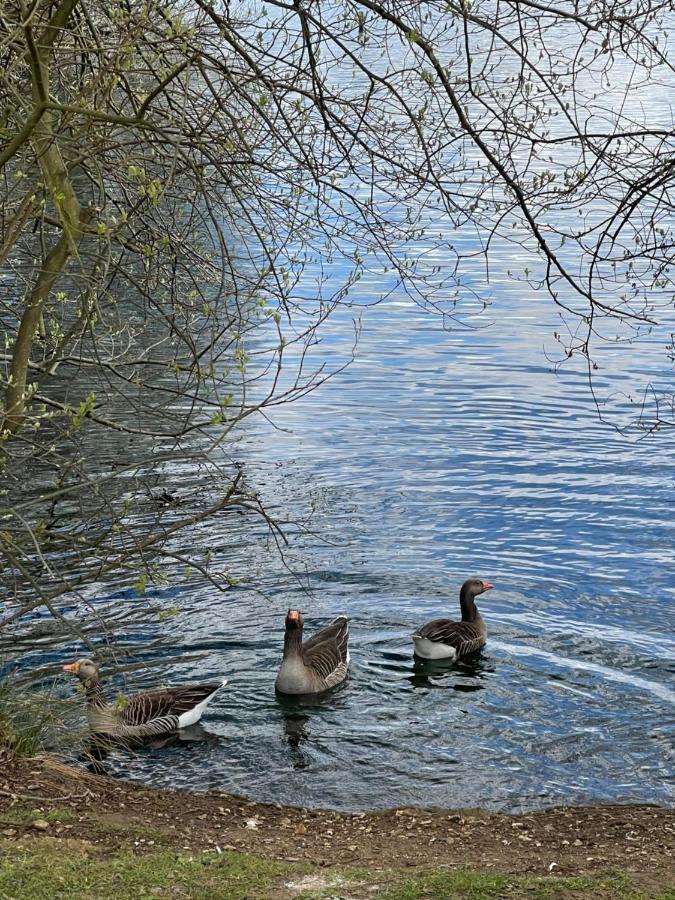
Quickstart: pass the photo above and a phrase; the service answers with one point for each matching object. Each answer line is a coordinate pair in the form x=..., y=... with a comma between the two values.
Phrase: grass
x=24, y=816
x=19, y=730
x=52, y=874
x=32, y=721
x=47, y=869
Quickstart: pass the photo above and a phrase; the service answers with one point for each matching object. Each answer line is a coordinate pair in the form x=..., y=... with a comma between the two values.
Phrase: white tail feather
x=192, y=716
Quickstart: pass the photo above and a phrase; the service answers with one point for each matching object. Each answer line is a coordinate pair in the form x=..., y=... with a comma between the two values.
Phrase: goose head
x=294, y=620
x=85, y=669
x=472, y=587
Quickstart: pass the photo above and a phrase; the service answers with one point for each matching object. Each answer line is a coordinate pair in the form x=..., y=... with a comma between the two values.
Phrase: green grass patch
x=56, y=872
x=58, y=816
x=22, y=815
x=45, y=869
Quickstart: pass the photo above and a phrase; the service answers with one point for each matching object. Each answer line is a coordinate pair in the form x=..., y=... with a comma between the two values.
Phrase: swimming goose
x=317, y=664
x=143, y=716
x=447, y=639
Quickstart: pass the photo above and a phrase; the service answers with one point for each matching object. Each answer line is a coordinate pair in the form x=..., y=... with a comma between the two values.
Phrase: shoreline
x=44, y=802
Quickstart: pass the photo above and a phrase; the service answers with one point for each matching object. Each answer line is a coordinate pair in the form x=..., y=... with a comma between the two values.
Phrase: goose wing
x=327, y=653
x=337, y=632
x=160, y=702
x=464, y=637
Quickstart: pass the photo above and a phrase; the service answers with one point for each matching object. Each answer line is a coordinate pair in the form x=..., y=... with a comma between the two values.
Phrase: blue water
x=436, y=455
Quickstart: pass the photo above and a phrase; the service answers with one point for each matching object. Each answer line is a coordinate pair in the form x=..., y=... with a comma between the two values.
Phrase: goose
x=319, y=663
x=447, y=639
x=143, y=716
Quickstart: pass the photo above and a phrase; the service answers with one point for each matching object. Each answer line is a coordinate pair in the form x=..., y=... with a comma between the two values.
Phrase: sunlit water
x=435, y=456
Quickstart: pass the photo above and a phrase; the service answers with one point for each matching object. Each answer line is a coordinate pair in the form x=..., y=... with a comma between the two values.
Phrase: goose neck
x=468, y=606
x=292, y=642
x=93, y=690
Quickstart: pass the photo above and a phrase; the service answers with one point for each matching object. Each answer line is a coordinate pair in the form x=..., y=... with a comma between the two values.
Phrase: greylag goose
x=317, y=664
x=143, y=716
x=447, y=639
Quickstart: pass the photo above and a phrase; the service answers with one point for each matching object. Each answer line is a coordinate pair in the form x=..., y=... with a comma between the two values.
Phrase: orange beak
x=487, y=585
x=74, y=668
x=293, y=615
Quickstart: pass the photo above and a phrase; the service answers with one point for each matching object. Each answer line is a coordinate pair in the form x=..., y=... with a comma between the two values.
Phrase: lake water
x=435, y=456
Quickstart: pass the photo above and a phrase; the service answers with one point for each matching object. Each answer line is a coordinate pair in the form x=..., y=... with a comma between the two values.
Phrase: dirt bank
x=41, y=797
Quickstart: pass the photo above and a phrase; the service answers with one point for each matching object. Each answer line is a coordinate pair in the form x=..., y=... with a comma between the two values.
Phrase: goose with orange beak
x=449, y=639
x=317, y=664
x=143, y=716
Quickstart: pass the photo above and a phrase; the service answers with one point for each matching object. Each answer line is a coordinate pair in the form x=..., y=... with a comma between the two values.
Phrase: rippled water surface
x=435, y=456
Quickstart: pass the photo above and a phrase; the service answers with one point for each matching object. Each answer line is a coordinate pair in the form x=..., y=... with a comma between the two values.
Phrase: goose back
x=461, y=637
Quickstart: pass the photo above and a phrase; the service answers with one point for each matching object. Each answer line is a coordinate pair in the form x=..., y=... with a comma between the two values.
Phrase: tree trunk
x=15, y=396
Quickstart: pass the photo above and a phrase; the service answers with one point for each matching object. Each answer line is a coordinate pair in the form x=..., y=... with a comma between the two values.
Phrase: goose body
x=143, y=716
x=317, y=664
x=450, y=639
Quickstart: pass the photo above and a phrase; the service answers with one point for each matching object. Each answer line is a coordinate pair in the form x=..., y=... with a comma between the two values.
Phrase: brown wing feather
x=326, y=651
x=337, y=630
x=149, y=705
x=465, y=637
